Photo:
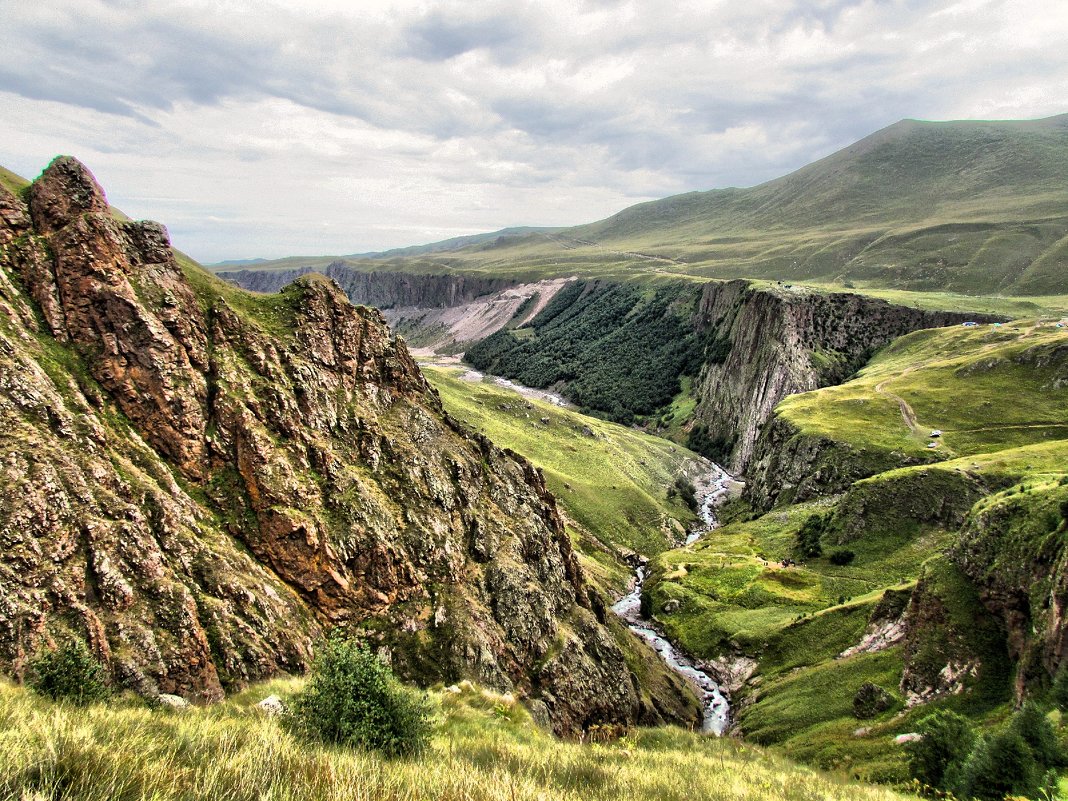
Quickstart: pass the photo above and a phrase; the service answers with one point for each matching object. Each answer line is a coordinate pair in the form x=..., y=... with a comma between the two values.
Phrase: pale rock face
x=271, y=706
x=172, y=701
x=199, y=483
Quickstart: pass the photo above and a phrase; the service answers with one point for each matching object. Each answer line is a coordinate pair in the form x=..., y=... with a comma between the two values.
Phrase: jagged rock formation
x=199, y=481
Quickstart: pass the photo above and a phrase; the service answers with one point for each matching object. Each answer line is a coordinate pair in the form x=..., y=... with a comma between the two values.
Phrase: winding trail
x=713, y=701
x=907, y=414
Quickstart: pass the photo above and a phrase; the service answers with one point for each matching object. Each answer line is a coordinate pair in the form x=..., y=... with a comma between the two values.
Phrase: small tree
x=1031, y=723
x=841, y=557
x=1059, y=693
x=807, y=541
x=69, y=673
x=352, y=698
x=947, y=739
x=998, y=766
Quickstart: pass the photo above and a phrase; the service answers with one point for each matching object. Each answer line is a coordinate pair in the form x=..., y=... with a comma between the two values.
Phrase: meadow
x=485, y=746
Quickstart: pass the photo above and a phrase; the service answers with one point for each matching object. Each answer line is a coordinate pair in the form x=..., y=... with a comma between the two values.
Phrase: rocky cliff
x=777, y=341
x=1012, y=548
x=384, y=289
x=198, y=482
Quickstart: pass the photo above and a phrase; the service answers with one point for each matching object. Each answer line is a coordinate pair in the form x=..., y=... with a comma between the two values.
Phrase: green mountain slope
x=941, y=580
x=971, y=207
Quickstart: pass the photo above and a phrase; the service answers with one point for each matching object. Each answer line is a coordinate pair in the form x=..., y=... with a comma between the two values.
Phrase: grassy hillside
x=485, y=747
x=1000, y=396
x=610, y=480
x=972, y=208
x=987, y=388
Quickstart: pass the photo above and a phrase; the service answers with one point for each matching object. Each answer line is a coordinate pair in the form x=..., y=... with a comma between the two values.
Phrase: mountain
x=967, y=207
x=199, y=482
x=502, y=236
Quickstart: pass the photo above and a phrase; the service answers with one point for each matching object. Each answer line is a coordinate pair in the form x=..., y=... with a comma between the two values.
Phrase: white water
x=716, y=708
x=528, y=392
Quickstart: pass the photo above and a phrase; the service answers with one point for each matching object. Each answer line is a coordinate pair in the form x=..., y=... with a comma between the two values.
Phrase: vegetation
x=956, y=380
x=353, y=699
x=485, y=747
x=617, y=350
x=69, y=673
x=959, y=209
x=1018, y=759
x=617, y=485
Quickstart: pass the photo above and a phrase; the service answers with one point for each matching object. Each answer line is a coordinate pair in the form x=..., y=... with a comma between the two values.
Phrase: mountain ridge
x=976, y=207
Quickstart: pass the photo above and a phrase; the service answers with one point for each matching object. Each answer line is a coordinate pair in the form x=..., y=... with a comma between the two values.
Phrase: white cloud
x=255, y=128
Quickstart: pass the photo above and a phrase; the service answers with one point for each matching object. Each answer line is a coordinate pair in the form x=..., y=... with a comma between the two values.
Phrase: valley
x=519, y=494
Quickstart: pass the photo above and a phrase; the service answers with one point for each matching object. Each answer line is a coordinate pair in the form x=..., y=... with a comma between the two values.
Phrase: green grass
x=613, y=484
x=987, y=388
x=734, y=593
x=485, y=747
x=12, y=182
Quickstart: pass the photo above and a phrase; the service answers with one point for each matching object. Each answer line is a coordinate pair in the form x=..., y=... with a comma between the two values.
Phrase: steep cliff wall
x=384, y=289
x=1013, y=548
x=198, y=481
x=780, y=341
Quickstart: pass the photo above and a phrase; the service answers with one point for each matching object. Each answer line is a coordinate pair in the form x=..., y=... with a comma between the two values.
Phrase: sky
x=274, y=128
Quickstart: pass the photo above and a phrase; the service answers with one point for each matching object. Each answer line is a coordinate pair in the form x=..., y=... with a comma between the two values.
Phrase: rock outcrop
x=382, y=288
x=1013, y=548
x=778, y=341
x=199, y=482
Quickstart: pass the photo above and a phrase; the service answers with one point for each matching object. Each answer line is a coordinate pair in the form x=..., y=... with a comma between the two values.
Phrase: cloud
x=248, y=125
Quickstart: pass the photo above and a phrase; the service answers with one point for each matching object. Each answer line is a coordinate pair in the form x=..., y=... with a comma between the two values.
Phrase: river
x=716, y=708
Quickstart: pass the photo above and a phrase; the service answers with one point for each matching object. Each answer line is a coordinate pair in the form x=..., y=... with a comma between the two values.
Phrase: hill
x=867, y=557
x=967, y=207
x=486, y=748
x=199, y=482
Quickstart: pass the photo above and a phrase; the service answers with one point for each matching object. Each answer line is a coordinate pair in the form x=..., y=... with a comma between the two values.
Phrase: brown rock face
x=198, y=481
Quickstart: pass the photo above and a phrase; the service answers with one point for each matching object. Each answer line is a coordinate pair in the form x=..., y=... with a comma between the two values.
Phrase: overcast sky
x=278, y=128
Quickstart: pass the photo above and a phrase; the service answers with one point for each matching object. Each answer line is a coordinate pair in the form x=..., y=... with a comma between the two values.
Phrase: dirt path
x=907, y=414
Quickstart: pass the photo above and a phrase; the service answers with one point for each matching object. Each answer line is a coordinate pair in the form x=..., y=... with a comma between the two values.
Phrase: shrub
x=1031, y=723
x=999, y=766
x=947, y=739
x=842, y=557
x=807, y=541
x=69, y=673
x=1059, y=693
x=687, y=491
x=352, y=698
x=871, y=700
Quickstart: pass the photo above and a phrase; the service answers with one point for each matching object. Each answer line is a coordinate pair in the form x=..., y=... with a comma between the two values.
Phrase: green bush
x=999, y=766
x=1031, y=723
x=841, y=557
x=807, y=540
x=947, y=739
x=353, y=699
x=1059, y=692
x=69, y=673
x=687, y=491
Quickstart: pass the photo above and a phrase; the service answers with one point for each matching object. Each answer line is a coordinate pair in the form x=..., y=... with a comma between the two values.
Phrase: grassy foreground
x=485, y=747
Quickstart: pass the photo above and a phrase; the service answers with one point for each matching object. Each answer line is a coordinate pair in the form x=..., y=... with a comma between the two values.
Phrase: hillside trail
x=907, y=413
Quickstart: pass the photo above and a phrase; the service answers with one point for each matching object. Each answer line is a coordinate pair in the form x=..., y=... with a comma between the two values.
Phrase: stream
x=716, y=709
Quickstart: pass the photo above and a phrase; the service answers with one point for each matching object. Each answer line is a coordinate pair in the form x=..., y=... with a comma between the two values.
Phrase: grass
x=959, y=209
x=12, y=182
x=987, y=388
x=613, y=484
x=485, y=747
x=733, y=591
